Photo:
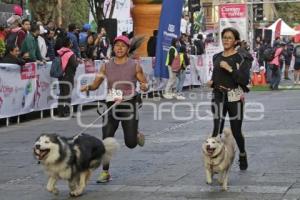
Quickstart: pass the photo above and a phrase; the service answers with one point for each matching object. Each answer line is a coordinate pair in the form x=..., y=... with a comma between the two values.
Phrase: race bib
x=235, y=94
x=114, y=95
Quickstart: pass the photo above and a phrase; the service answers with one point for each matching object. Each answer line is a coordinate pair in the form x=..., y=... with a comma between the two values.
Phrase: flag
x=169, y=28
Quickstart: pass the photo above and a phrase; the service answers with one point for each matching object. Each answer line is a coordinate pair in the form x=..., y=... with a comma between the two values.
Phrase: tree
x=63, y=12
x=43, y=10
x=289, y=12
x=96, y=7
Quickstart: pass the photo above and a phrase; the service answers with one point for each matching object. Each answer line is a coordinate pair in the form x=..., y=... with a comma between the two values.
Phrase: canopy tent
x=281, y=28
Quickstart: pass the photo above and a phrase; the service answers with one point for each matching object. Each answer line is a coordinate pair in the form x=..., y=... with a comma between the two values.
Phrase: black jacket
x=12, y=60
x=241, y=64
x=151, y=46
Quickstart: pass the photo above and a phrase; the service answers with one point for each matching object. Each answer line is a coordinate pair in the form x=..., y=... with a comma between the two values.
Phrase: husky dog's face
x=212, y=146
x=46, y=145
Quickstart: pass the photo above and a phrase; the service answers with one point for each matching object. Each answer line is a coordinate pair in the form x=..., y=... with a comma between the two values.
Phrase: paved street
x=170, y=164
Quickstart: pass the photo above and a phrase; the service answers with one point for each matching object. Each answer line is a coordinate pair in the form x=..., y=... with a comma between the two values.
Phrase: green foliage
x=77, y=11
x=2, y=48
x=289, y=12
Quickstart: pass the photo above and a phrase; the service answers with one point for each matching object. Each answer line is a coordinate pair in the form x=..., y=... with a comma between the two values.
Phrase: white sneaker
x=180, y=97
x=167, y=96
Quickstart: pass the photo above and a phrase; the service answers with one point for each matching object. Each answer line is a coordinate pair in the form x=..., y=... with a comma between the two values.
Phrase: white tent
x=284, y=29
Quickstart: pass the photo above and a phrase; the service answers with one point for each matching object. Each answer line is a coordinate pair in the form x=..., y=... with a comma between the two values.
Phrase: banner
x=121, y=12
x=169, y=28
x=236, y=16
x=30, y=88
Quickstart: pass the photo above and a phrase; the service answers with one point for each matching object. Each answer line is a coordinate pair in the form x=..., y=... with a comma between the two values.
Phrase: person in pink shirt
x=275, y=66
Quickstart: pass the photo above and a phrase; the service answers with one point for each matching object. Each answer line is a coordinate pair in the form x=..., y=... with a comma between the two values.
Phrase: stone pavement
x=170, y=164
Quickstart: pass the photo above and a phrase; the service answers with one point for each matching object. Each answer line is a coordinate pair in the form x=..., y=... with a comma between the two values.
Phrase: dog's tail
x=111, y=146
x=227, y=132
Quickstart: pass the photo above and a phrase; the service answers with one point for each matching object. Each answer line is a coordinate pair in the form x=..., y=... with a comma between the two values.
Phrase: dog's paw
x=75, y=193
x=208, y=182
x=53, y=190
x=224, y=188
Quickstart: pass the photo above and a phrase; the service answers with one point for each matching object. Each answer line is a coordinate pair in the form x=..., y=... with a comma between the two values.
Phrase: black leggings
x=127, y=113
x=66, y=85
x=235, y=112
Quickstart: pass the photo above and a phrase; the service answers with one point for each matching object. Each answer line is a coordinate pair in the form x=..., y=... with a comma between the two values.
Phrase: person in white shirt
x=185, y=24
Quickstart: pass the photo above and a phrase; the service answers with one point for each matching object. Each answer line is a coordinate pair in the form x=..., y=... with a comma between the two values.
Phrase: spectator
x=72, y=35
x=23, y=32
x=181, y=74
x=50, y=42
x=184, y=26
x=83, y=35
x=12, y=56
x=102, y=43
x=288, y=53
x=2, y=40
x=296, y=53
x=66, y=83
x=151, y=45
x=60, y=35
x=275, y=66
x=50, y=25
x=30, y=45
x=173, y=52
x=42, y=43
x=199, y=44
x=91, y=51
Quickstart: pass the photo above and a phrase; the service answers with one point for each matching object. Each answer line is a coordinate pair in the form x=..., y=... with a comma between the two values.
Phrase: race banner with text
x=236, y=16
x=169, y=28
x=30, y=88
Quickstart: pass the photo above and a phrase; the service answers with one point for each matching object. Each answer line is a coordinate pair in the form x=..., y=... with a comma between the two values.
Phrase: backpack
x=269, y=54
x=12, y=38
x=176, y=63
x=56, y=70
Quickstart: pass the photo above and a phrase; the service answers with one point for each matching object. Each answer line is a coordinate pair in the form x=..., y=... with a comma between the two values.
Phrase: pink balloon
x=18, y=10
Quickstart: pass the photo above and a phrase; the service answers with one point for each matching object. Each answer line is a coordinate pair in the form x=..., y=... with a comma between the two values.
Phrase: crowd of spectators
x=22, y=41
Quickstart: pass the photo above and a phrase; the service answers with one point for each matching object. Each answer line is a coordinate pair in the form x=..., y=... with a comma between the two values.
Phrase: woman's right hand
x=84, y=88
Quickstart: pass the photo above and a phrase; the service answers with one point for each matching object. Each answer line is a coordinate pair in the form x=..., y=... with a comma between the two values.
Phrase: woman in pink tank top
x=122, y=73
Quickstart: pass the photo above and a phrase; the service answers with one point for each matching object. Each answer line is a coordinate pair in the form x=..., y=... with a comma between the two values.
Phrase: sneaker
x=141, y=139
x=104, y=177
x=167, y=96
x=180, y=97
x=243, y=161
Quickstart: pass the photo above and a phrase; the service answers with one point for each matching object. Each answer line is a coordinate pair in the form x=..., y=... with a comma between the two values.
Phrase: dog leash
x=91, y=124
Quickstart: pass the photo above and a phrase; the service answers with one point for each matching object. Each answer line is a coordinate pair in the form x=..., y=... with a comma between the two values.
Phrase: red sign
x=233, y=11
x=28, y=71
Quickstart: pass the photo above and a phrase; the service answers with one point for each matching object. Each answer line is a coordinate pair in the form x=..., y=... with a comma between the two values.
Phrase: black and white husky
x=72, y=159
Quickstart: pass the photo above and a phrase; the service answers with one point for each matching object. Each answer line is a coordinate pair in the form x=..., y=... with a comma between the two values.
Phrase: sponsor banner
x=43, y=97
x=236, y=16
x=30, y=88
x=169, y=28
x=16, y=94
x=28, y=71
x=38, y=91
